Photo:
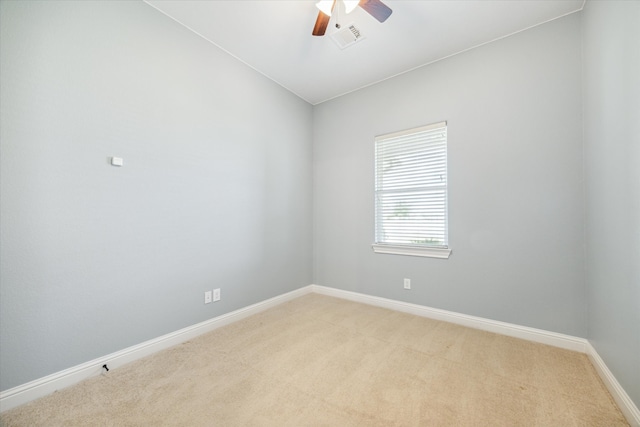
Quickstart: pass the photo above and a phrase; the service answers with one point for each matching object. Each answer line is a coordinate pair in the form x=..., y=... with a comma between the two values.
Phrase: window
x=411, y=192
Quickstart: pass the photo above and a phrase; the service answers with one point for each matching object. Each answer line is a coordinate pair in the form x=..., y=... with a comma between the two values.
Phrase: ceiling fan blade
x=321, y=24
x=376, y=8
x=322, y=21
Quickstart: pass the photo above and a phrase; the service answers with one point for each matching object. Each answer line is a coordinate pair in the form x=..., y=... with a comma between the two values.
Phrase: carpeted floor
x=322, y=361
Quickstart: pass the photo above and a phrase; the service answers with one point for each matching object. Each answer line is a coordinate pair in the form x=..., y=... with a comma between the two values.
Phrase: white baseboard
x=626, y=405
x=46, y=385
x=530, y=334
x=43, y=386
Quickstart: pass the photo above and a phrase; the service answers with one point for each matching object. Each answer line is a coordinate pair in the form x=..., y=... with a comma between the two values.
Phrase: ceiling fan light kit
x=375, y=8
x=326, y=6
x=350, y=5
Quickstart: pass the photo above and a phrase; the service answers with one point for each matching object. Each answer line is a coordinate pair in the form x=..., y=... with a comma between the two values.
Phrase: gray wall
x=513, y=109
x=611, y=82
x=215, y=191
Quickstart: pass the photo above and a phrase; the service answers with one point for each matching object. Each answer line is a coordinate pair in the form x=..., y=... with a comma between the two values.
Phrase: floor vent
x=347, y=36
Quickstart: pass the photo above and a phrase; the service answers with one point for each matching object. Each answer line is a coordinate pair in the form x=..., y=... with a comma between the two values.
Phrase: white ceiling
x=274, y=36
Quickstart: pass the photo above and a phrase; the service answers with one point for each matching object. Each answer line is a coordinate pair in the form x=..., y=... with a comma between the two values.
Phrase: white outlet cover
x=117, y=161
x=207, y=297
x=216, y=294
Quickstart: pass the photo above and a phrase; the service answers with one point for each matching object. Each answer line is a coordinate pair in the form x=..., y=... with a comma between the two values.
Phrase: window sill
x=412, y=251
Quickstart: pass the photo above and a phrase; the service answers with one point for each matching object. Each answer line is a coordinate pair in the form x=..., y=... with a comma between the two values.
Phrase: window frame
x=422, y=250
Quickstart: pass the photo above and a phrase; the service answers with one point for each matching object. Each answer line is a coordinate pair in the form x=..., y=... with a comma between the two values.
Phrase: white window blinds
x=411, y=187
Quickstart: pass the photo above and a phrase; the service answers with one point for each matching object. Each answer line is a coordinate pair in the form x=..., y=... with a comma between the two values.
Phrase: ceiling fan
x=375, y=8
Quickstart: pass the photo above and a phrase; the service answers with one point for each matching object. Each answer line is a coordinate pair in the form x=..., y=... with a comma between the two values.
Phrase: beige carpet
x=321, y=361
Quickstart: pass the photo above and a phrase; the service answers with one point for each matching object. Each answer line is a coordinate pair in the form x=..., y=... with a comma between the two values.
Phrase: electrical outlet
x=407, y=283
x=216, y=295
x=207, y=297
